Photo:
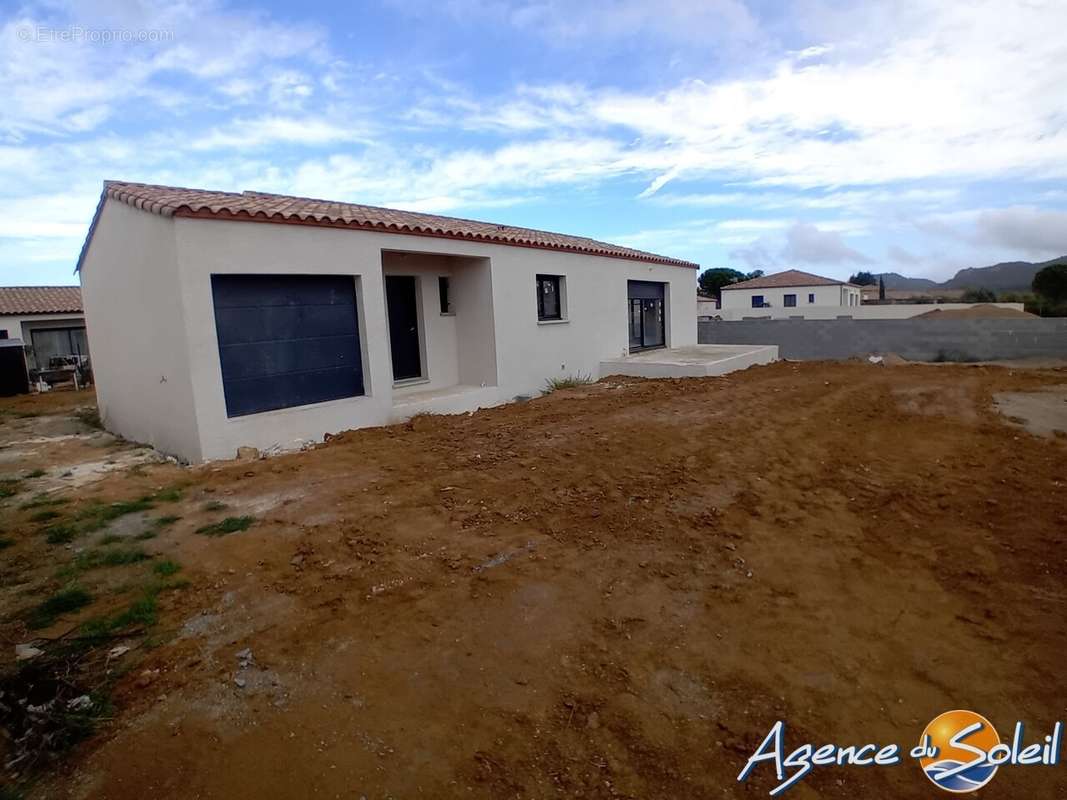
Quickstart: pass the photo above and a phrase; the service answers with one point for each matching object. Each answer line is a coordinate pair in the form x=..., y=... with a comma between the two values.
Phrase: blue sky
x=916, y=136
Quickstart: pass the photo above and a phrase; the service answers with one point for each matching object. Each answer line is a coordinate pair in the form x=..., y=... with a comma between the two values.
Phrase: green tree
x=711, y=280
x=863, y=279
x=978, y=296
x=1051, y=283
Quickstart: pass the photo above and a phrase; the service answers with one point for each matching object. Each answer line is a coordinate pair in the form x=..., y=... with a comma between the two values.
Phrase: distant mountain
x=894, y=281
x=1010, y=276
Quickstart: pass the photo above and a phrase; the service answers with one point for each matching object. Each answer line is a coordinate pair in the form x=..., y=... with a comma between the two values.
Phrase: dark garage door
x=286, y=340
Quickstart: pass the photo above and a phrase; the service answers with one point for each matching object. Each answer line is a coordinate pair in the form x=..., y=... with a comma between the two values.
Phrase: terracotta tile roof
x=781, y=280
x=40, y=300
x=262, y=207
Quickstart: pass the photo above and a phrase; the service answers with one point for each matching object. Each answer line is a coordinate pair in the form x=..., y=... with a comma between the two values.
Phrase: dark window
x=757, y=301
x=3, y=333
x=286, y=340
x=811, y=298
x=442, y=290
x=790, y=301
x=57, y=343
x=549, y=305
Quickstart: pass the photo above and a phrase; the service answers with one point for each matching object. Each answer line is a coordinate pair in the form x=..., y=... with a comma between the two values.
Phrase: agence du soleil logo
x=959, y=751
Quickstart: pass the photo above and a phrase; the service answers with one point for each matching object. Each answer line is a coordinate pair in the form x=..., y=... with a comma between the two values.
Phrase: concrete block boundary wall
x=914, y=339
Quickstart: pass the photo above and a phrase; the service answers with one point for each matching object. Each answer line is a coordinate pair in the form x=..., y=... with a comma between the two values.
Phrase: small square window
x=811, y=298
x=549, y=299
x=790, y=301
x=757, y=301
x=442, y=290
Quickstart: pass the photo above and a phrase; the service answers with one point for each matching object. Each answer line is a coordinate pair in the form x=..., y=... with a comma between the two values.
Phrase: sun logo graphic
x=959, y=745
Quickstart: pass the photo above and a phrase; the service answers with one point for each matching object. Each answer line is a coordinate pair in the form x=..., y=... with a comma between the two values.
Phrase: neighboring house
x=48, y=319
x=788, y=293
x=220, y=320
x=706, y=306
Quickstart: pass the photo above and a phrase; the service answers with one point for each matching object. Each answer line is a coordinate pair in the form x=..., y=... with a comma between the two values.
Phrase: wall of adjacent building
x=138, y=331
x=836, y=296
x=889, y=311
x=987, y=339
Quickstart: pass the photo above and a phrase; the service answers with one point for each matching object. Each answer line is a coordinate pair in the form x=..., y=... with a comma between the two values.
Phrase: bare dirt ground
x=612, y=591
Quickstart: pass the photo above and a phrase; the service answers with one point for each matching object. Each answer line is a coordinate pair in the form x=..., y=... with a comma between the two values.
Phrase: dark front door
x=646, y=312
x=403, y=311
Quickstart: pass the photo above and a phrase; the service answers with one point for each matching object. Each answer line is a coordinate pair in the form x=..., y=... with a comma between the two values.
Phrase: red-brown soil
x=613, y=591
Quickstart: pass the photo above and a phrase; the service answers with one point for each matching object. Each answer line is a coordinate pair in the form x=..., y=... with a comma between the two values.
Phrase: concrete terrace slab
x=697, y=361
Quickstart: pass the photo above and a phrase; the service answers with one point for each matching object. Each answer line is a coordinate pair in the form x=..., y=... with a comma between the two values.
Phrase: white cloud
x=808, y=244
x=1030, y=230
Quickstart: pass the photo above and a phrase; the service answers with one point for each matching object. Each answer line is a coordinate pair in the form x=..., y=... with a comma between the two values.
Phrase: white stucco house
x=221, y=319
x=789, y=293
x=48, y=320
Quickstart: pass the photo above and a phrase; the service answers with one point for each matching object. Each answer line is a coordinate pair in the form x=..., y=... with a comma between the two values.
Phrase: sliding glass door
x=647, y=315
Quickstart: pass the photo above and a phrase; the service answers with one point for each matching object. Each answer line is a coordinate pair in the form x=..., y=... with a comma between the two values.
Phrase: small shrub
x=570, y=382
x=110, y=538
x=163, y=522
x=60, y=534
x=228, y=525
x=166, y=568
x=5, y=543
x=144, y=536
x=37, y=473
x=44, y=516
x=70, y=599
x=214, y=505
x=172, y=495
x=9, y=487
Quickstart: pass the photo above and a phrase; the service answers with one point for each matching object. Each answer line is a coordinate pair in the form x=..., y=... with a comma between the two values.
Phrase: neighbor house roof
x=40, y=299
x=170, y=201
x=782, y=280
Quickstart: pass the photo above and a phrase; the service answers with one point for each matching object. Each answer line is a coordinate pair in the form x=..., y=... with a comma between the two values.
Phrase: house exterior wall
x=706, y=307
x=136, y=323
x=596, y=324
x=493, y=339
x=837, y=295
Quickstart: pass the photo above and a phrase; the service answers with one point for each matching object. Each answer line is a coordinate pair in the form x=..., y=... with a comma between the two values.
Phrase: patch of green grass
x=45, y=515
x=98, y=515
x=166, y=568
x=5, y=543
x=164, y=521
x=110, y=538
x=142, y=612
x=214, y=505
x=44, y=501
x=60, y=534
x=9, y=487
x=171, y=495
x=228, y=525
x=63, y=602
x=144, y=536
x=570, y=382
x=37, y=473
x=112, y=557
